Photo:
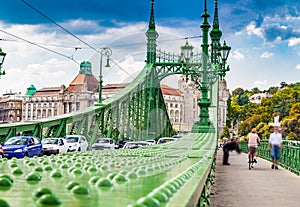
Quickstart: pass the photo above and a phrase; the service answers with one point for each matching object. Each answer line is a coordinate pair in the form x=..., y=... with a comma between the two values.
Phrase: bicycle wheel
x=250, y=160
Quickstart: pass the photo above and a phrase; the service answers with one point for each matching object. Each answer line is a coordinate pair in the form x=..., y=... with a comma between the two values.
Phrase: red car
x=1, y=152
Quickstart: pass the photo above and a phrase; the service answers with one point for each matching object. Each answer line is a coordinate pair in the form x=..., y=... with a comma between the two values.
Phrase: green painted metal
x=202, y=71
x=289, y=157
x=178, y=173
x=2, y=57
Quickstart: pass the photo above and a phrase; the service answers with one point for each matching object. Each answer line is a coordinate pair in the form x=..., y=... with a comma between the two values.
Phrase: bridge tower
x=203, y=69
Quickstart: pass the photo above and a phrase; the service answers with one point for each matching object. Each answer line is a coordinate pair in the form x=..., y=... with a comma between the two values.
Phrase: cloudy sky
x=46, y=40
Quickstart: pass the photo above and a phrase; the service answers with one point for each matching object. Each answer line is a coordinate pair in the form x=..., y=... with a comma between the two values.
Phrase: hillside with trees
x=284, y=103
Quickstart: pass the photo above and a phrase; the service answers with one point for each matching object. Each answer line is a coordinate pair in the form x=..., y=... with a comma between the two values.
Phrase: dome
x=85, y=68
x=30, y=90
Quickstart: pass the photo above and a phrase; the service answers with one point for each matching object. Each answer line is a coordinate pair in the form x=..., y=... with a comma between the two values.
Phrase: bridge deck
x=236, y=186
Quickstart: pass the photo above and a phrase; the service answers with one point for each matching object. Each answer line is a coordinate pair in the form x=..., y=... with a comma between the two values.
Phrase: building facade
x=82, y=92
x=11, y=108
x=52, y=101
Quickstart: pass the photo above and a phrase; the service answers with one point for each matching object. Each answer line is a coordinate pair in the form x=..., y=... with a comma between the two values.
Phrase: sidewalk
x=236, y=185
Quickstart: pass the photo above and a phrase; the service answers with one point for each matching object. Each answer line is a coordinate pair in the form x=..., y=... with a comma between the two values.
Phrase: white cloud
x=294, y=42
x=252, y=29
x=237, y=55
x=266, y=55
x=298, y=66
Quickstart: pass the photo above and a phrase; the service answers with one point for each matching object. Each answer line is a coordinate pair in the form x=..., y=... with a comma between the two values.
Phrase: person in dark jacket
x=230, y=146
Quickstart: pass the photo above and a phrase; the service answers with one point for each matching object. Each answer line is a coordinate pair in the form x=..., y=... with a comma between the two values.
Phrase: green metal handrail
x=289, y=159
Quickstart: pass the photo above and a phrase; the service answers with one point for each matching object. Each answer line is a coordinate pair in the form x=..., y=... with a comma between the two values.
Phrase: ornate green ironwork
x=138, y=113
x=202, y=71
x=289, y=158
x=2, y=57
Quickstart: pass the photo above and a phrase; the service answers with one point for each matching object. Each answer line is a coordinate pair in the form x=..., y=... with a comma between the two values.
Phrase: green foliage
x=295, y=109
x=225, y=132
x=243, y=99
x=285, y=102
x=255, y=90
x=293, y=136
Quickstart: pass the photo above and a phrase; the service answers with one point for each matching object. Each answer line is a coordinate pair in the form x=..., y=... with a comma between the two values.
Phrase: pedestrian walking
x=230, y=146
x=275, y=147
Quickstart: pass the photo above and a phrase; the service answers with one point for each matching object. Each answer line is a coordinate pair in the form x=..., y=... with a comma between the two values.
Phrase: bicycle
x=251, y=160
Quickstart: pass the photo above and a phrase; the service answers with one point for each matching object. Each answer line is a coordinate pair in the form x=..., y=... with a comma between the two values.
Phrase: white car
x=137, y=144
x=165, y=140
x=76, y=143
x=54, y=145
x=103, y=144
x=151, y=141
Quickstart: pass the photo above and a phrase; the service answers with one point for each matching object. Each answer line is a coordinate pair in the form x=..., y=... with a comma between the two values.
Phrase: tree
x=283, y=84
x=243, y=99
x=225, y=132
x=255, y=90
x=237, y=91
x=295, y=109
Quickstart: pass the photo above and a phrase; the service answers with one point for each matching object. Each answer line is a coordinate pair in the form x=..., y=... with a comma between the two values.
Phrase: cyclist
x=253, y=143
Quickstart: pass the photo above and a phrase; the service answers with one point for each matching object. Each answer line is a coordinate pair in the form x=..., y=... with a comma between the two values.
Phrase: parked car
x=21, y=146
x=54, y=146
x=166, y=139
x=133, y=145
x=177, y=136
x=76, y=143
x=1, y=152
x=120, y=144
x=151, y=141
x=103, y=144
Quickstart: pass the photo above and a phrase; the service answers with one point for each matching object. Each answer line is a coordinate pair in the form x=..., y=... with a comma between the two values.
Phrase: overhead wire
x=46, y=44
x=45, y=48
x=67, y=31
x=76, y=48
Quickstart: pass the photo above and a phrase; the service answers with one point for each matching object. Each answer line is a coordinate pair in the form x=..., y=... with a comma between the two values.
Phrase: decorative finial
x=152, y=22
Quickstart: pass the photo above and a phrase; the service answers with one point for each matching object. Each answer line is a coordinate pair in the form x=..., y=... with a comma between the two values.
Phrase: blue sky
x=264, y=36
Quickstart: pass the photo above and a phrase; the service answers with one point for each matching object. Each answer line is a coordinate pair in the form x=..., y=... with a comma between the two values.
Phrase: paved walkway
x=236, y=185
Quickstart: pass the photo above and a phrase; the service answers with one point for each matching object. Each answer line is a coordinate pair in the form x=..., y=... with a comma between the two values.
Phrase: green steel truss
x=136, y=113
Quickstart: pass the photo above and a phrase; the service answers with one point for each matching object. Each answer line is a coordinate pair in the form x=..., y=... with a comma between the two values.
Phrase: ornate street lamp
x=222, y=58
x=186, y=52
x=106, y=51
x=2, y=56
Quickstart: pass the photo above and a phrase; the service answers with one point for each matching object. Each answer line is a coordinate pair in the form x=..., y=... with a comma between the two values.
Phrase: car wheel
x=41, y=154
x=79, y=149
x=26, y=154
x=57, y=152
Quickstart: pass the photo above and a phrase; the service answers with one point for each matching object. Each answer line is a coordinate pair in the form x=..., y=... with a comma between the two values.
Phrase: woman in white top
x=253, y=143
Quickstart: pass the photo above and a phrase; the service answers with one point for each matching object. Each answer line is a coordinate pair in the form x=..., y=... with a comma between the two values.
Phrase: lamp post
x=105, y=51
x=222, y=58
x=2, y=56
x=204, y=72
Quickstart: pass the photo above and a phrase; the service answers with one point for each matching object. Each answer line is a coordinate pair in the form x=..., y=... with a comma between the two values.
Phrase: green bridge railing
x=177, y=173
x=289, y=159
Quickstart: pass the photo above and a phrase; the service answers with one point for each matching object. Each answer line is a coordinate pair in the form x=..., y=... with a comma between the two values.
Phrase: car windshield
x=135, y=145
x=72, y=139
x=50, y=141
x=16, y=141
x=102, y=141
x=165, y=140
